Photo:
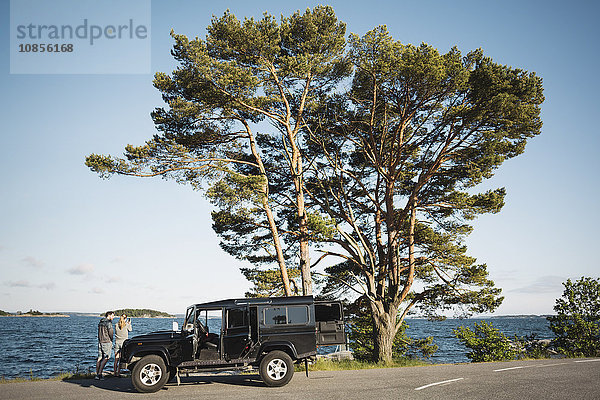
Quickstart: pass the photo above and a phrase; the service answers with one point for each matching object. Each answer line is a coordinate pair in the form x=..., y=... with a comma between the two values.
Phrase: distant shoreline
x=68, y=316
x=37, y=315
x=131, y=312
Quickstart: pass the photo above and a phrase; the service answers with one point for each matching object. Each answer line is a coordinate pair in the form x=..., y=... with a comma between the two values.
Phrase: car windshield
x=189, y=317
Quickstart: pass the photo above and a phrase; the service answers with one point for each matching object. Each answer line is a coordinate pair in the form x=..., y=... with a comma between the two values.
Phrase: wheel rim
x=277, y=369
x=150, y=374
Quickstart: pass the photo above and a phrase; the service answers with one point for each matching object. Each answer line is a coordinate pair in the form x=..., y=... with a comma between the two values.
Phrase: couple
x=105, y=339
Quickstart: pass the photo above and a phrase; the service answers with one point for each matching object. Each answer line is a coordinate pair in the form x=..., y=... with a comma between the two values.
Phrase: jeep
x=270, y=334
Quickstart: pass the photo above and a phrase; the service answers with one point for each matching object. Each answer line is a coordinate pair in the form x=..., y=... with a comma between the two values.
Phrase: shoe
x=97, y=377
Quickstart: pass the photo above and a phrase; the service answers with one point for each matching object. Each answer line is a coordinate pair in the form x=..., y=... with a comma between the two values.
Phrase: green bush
x=531, y=347
x=577, y=323
x=486, y=343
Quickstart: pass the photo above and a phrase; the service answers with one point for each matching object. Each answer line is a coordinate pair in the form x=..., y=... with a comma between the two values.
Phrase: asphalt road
x=539, y=379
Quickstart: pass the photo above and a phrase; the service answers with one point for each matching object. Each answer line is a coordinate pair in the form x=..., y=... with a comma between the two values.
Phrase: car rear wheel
x=149, y=374
x=276, y=368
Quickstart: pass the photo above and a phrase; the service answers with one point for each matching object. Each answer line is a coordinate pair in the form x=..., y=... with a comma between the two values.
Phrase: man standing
x=105, y=342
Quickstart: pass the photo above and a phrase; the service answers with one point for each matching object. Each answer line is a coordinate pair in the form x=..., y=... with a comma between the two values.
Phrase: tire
x=149, y=374
x=276, y=368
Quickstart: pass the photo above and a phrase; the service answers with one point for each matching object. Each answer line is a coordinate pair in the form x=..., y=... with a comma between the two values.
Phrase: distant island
x=130, y=312
x=31, y=313
x=142, y=313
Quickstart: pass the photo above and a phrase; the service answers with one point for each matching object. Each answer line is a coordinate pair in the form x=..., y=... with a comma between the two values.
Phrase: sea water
x=42, y=347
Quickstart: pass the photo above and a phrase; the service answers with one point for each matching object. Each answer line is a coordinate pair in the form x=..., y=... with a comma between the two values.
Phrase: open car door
x=236, y=338
x=329, y=319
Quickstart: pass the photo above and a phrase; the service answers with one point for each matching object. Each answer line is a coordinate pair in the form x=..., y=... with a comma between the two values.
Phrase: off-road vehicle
x=270, y=334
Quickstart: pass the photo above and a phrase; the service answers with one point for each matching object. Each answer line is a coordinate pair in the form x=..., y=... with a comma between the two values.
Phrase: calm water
x=44, y=346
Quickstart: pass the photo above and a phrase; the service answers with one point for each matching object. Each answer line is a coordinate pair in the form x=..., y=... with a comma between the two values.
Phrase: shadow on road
x=124, y=385
x=227, y=379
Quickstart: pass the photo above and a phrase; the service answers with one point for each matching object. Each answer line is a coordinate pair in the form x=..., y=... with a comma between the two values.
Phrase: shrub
x=577, y=323
x=486, y=343
x=531, y=347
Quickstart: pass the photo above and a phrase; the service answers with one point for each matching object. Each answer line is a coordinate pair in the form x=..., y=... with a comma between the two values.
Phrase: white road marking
x=507, y=369
x=439, y=383
x=550, y=365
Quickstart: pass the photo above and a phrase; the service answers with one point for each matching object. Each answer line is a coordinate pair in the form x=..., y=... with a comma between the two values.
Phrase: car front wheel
x=149, y=374
x=276, y=368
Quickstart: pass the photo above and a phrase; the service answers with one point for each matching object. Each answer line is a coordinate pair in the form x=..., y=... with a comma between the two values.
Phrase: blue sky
x=70, y=241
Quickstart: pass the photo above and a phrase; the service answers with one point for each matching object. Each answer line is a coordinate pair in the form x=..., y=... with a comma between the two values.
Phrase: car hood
x=160, y=335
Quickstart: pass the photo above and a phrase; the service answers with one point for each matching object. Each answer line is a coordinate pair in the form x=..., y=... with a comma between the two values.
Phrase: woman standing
x=121, y=333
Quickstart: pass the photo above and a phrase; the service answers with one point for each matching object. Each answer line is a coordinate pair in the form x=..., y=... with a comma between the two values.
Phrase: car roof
x=292, y=300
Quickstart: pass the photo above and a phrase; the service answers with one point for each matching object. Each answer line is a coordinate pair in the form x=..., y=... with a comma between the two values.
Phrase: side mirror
x=175, y=326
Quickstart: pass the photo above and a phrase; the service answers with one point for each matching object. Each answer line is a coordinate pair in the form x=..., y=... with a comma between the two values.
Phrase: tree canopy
x=245, y=73
x=401, y=154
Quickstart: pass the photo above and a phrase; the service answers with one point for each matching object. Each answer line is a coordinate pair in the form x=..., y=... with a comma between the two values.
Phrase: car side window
x=237, y=317
x=328, y=312
x=297, y=315
x=274, y=316
x=290, y=315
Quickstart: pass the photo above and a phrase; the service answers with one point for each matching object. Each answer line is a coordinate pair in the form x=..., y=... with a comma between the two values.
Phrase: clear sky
x=70, y=241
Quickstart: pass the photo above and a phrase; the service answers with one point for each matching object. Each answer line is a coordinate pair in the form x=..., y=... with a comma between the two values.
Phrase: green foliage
x=322, y=227
x=140, y=313
x=4, y=313
x=361, y=337
x=267, y=283
x=577, y=322
x=486, y=343
x=531, y=347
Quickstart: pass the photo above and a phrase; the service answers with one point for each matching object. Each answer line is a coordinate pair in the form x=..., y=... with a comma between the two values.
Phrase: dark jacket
x=105, y=331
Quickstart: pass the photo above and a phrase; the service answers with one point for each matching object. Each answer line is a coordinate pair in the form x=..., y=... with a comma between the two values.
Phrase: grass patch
x=61, y=376
x=4, y=380
x=20, y=379
x=344, y=365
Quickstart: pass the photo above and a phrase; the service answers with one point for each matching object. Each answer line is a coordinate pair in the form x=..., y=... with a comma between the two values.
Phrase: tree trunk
x=267, y=208
x=303, y=222
x=277, y=243
x=384, y=332
x=304, y=251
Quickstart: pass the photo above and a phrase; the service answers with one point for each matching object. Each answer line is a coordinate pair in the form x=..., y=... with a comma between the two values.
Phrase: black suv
x=268, y=333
